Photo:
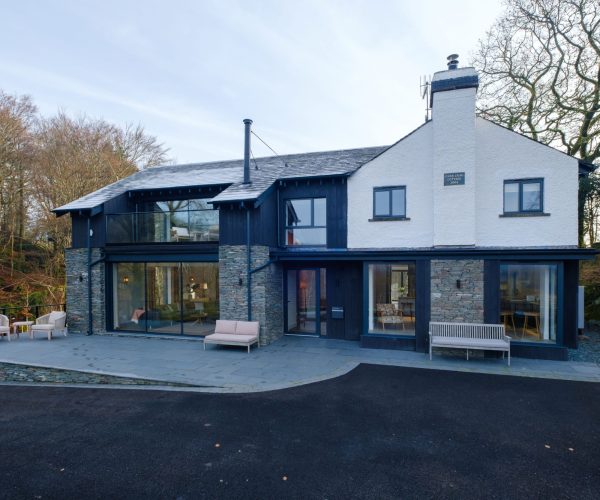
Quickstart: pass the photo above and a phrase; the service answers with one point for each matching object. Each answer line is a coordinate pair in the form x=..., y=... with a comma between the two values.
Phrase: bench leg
x=204, y=345
x=509, y=357
x=467, y=354
x=248, y=348
x=430, y=350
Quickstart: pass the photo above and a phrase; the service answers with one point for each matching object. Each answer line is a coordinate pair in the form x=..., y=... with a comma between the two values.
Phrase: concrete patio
x=288, y=362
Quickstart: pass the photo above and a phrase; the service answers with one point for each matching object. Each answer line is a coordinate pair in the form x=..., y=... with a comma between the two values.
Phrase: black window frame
x=312, y=225
x=389, y=190
x=521, y=182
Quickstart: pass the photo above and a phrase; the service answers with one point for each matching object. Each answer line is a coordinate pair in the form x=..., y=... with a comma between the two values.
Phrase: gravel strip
x=589, y=347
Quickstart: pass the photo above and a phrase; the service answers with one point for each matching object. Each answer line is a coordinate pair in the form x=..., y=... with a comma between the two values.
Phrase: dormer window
x=306, y=222
x=524, y=196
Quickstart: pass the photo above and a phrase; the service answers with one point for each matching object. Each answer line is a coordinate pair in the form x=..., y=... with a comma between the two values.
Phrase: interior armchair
x=387, y=314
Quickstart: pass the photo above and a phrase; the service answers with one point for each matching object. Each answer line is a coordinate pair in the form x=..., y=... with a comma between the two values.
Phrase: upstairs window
x=389, y=202
x=306, y=222
x=523, y=196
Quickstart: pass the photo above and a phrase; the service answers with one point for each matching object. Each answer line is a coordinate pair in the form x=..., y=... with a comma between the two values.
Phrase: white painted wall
x=453, y=119
x=502, y=155
x=407, y=163
x=456, y=141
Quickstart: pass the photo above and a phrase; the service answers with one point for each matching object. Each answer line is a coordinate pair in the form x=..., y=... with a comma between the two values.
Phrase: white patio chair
x=4, y=326
x=180, y=234
x=51, y=323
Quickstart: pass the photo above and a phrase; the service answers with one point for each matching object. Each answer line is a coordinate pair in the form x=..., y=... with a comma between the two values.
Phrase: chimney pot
x=452, y=61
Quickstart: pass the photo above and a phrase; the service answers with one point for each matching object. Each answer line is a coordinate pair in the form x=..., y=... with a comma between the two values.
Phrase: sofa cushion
x=230, y=337
x=54, y=315
x=225, y=326
x=44, y=327
x=247, y=328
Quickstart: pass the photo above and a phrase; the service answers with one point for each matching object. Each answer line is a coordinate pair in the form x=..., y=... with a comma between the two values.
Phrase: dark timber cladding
x=335, y=190
x=263, y=223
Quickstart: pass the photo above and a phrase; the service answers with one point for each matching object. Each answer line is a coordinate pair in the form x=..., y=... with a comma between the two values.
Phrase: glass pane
x=392, y=295
x=200, y=204
x=532, y=196
x=120, y=228
x=200, y=297
x=307, y=236
x=320, y=207
x=298, y=213
x=528, y=307
x=204, y=225
x=306, y=302
x=129, y=312
x=398, y=202
x=163, y=298
x=511, y=197
x=172, y=205
x=382, y=203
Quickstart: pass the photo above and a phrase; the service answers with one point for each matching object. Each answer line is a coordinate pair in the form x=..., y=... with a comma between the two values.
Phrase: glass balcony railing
x=163, y=227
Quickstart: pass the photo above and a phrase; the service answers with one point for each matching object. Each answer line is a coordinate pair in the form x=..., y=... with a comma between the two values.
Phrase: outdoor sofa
x=240, y=333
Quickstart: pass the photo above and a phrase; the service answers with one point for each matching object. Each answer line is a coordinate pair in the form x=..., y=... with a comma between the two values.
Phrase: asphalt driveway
x=377, y=432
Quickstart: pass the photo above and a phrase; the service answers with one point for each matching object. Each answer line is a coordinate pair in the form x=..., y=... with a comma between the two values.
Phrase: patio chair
x=51, y=323
x=180, y=234
x=4, y=326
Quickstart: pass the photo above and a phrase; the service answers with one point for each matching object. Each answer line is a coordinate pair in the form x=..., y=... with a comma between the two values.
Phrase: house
x=461, y=220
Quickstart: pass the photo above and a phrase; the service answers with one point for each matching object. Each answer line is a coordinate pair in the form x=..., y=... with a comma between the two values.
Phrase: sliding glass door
x=165, y=297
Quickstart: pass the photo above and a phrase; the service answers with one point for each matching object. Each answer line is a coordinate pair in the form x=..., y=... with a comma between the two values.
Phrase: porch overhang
x=310, y=255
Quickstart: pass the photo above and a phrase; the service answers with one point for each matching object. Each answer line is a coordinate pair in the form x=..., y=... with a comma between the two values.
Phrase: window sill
x=525, y=214
x=385, y=219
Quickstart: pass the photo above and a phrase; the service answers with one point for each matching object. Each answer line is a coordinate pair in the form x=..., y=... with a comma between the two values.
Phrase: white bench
x=242, y=333
x=467, y=336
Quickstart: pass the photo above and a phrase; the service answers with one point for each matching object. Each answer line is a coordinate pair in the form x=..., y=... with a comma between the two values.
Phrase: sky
x=313, y=75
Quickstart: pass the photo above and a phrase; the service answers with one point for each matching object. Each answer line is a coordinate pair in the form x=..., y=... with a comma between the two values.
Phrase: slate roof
x=270, y=169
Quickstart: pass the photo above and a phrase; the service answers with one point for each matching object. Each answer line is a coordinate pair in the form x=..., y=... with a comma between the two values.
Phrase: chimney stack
x=247, y=124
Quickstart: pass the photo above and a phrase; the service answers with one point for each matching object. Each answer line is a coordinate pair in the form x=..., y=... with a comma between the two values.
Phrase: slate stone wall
x=77, y=291
x=266, y=289
x=449, y=303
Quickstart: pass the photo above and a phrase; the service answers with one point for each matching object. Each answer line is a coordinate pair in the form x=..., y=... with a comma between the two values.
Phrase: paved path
x=288, y=362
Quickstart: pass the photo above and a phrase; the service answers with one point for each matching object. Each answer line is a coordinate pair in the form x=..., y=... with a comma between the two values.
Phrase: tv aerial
x=425, y=86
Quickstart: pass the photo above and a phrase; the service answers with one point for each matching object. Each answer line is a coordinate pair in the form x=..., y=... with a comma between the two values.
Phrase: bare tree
x=17, y=116
x=540, y=76
x=74, y=157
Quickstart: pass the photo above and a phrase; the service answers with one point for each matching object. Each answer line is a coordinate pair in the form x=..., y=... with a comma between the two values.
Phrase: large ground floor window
x=166, y=297
x=392, y=295
x=528, y=301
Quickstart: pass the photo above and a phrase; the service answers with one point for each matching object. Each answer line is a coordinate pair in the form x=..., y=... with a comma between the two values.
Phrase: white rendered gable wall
x=463, y=215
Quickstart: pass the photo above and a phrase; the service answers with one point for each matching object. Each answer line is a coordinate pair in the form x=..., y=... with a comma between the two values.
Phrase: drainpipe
x=248, y=263
x=89, y=273
x=247, y=125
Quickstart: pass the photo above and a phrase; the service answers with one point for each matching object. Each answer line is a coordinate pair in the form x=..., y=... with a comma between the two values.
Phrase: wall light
x=126, y=279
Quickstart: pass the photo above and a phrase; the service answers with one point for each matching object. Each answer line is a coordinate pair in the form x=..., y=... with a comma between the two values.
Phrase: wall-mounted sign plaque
x=454, y=179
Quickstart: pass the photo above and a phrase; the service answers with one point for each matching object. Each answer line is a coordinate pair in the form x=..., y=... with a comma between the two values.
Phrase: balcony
x=163, y=227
